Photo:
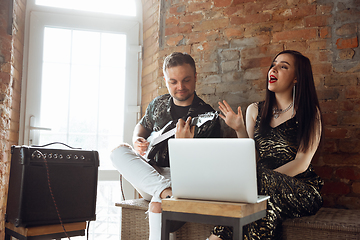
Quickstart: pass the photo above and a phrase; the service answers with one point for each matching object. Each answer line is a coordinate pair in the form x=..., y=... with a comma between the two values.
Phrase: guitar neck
x=164, y=136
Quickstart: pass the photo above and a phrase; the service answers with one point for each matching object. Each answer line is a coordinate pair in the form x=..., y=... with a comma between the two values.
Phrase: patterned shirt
x=158, y=113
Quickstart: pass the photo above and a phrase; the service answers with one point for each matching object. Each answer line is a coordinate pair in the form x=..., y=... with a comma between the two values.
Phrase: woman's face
x=281, y=76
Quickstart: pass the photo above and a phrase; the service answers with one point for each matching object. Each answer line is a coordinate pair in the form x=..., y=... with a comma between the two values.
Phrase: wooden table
x=232, y=214
x=44, y=232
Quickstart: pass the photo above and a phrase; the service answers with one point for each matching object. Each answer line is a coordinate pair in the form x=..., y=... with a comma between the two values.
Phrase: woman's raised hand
x=232, y=119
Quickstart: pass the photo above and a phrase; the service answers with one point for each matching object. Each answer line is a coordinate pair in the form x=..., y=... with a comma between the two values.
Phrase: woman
x=286, y=128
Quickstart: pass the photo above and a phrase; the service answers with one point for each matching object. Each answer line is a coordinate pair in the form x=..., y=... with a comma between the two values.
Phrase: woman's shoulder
x=255, y=107
x=253, y=110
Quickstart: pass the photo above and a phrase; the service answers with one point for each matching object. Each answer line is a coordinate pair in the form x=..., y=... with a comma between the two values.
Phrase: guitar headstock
x=203, y=118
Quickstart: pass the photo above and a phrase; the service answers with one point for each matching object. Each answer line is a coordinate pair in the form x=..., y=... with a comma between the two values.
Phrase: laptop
x=218, y=169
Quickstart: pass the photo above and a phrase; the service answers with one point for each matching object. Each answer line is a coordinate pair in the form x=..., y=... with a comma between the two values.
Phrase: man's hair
x=178, y=59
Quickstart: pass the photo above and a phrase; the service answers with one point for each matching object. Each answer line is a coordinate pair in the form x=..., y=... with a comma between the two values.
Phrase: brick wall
x=233, y=42
x=11, y=52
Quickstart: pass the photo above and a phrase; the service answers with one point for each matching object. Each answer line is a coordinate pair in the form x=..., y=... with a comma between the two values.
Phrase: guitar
x=169, y=131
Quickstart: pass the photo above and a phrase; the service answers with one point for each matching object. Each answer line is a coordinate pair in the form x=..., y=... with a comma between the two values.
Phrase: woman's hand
x=232, y=119
x=183, y=129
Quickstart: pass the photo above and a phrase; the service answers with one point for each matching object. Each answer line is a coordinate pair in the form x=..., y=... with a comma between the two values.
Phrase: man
x=181, y=104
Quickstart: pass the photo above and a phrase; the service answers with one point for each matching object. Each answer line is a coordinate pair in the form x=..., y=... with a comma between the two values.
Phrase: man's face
x=180, y=82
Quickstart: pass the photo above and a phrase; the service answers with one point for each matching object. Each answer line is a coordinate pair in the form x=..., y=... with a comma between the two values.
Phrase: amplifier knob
x=50, y=155
x=76, y=157
x=82, y=157
x=61, y=156
x=55, y=155
x=68, y=156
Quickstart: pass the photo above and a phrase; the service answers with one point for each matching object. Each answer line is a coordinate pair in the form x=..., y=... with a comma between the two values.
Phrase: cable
x=55, y=143
x=121, y=187
x=51, y=192
x=87, y=230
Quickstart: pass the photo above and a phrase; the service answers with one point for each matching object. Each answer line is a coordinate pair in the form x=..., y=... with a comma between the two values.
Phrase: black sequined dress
x=290, y=197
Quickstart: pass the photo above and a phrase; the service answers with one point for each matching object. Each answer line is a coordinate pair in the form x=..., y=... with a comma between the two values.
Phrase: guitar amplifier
x=72, y=175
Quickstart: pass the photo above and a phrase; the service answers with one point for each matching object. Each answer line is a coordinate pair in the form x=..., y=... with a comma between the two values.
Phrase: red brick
x=233, y=32
x=325, y=172
x=329, y=146
x=342, y=43
x=335, y=188
x=177, y=10
x=300, y=46
x=178, y=30
x=297, y=23
x=240, y=2
x=347, y=29
x=322, y=69
x=325, y=32
x=173, y=41
x=348, y=15
x=5, y=77
x=262, y=28
x=191, y=18
x=234, y=11
x=204, y=46
x=325, y=56
x=198, y=6
x=255, y=7
x=356, y=187
x=351, y=119
x=350, y=173
x=255, y=62
x=346, y=54
x=301, y=34
x=256, y=18
x=172, y=20
x=211, y=24
x=182, y=48
x=201, y=36
x=317, y=21
x=335, y=132
x=350, y=105
x=318, y=45
x=340, y=80
x=352, y=92
x=260, y=51
x=351, y=145
x=324, y=9
x=305, y=11
x=222, y=3
x=196, y=37
x=330, y=119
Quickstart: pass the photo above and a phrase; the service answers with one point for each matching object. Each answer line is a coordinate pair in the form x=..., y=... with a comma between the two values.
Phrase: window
x=81, y=86
x=119, y=7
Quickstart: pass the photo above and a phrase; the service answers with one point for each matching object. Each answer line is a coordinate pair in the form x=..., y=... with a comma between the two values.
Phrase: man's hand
x=183, y=129
x=141, y=145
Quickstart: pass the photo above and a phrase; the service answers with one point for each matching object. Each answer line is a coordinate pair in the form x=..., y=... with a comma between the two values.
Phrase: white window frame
x=92, y=21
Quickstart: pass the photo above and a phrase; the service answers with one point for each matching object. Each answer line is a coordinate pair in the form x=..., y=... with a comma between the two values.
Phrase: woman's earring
x=293, y=100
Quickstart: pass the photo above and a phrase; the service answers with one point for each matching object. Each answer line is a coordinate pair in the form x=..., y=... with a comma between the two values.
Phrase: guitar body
x=157, y=152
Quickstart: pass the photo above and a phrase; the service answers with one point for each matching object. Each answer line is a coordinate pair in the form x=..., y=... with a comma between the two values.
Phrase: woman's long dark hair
x=306, y=103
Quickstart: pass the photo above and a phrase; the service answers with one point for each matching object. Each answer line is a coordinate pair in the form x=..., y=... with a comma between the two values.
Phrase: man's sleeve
x=147, y=120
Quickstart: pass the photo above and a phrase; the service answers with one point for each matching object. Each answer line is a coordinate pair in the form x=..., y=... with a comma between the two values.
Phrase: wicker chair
x=135, y=225
x=327, y=224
